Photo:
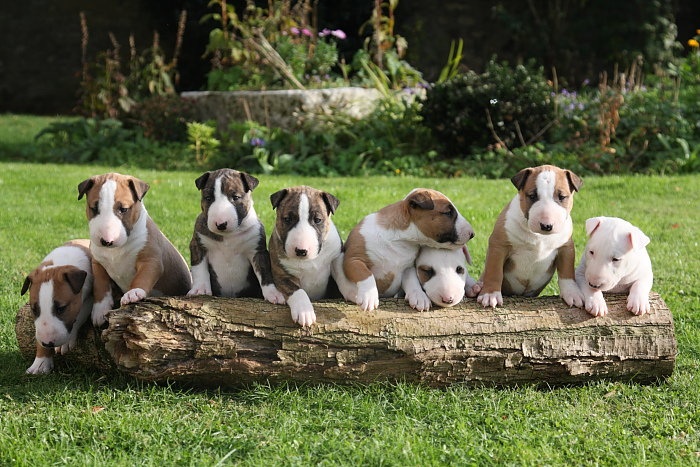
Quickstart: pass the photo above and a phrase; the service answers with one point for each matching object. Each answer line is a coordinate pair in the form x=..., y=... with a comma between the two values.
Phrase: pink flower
x=339, y=34
x=325, y=32
x=294, y=30
x=306, y=32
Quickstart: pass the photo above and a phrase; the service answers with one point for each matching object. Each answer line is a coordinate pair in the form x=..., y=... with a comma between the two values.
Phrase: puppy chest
x=528, y=271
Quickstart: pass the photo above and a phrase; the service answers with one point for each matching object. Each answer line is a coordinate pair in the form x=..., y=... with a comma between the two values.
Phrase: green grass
x=75, y=416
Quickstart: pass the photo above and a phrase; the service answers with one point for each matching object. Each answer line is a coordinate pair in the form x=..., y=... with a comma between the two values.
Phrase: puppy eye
x=95, y=209
x=317, y=220
x=235, y=197
x=590, y=252
x=615, y=260
x=450, y=211
x=59, y=309
x=288, y=220
x=208, y=198
x=35, y=310
x=428, y=271
x=562, y=198
x=122, y=210
x=460, y=270
x=532, y=196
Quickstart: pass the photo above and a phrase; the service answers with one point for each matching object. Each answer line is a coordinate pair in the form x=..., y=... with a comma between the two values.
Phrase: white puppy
x=616, y=261
x=442, y=275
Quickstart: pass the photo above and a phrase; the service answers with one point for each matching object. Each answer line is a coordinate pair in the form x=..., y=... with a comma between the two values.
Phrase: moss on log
x=207, y=341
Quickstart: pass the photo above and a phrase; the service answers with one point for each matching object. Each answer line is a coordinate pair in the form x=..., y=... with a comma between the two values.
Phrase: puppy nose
x=105, y=242
x=471, y=235
x=448, y=300
x=594, y=286
x=300, y=252
x=222, y=226
x=48, y=344
x=546, y=227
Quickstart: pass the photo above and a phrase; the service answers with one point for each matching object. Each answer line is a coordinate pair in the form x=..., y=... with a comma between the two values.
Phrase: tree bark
x=207, y=341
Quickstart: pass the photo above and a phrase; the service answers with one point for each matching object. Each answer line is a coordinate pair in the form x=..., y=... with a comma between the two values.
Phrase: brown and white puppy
x=441, y=274
x=229, y=247
x=386, y=243
x=615, y=260
x=532, y=238
x=127, y=246
x=303, y=245
x=60, y=297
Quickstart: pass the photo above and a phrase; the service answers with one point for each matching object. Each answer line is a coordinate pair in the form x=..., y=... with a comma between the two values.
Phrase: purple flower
x=324, y=32
x=257, y=142
x=294, y=30
x=306, y=32
x=338, y=33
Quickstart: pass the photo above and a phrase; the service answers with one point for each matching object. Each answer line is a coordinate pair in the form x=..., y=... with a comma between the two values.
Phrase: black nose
x=448, y=300
x=300, y=252
x=222, y=226
x=594, y=286
x=105, y=242
x=546, y=227
x=48, y=344
x=471, y=235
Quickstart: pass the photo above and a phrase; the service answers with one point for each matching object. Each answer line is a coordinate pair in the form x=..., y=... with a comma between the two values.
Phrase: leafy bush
x=505, y=107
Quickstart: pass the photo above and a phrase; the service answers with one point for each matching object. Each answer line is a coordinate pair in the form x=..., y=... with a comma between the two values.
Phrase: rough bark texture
x=205, y=341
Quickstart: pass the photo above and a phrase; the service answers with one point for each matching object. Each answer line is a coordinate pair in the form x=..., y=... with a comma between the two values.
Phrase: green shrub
x=504, y=107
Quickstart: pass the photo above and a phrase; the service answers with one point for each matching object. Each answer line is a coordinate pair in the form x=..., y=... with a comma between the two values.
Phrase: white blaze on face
x=222, y=213
x=546, y=216
x=49, y=329
x=302, y=237
x=106, y=227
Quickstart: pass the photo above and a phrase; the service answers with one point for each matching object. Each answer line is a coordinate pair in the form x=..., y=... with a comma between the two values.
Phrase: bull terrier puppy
x=60, y=297
x=533, y=237
x=615, y=260
x=303, y=245
x=229, y=247
x=127, y=246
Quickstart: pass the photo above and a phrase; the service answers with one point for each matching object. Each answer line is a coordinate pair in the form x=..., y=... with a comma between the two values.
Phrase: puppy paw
x=596, y=306
x=272, y=295
x=367, y=294
x=200, y=289
x=638, y=303
x=40, y=366
x=492, y=299
x=100, y=310
x=418, y=299
x=570, y=293
x=67, y=347
x=133, y=296
x=301, y=308
x=472, y=288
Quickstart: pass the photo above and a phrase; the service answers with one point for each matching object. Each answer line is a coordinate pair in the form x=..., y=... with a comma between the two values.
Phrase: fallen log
x=208, y=341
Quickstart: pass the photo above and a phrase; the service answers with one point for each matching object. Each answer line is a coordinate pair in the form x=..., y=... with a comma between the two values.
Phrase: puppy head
x=55, y=298
x=303, y=220
x=546, y=197
x=610, y=250
x=442, y=274
x=113, y=207
x=226, y=198
x=436, y=218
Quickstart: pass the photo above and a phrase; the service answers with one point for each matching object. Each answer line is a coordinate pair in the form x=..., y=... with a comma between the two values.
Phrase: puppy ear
x=519, y=179
x=202, y=180
x=27, y=284
x=75, y=278
x=420, y=200
x=467, y=256
x=331, y=202
x=637, y=239
x=138, y=188
x=84, y=186
x=249, y=182
x=575, y=182
x=277, y=197
x=592, y=224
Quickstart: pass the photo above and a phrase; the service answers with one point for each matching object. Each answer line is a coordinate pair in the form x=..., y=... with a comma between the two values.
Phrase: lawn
x=75, y=416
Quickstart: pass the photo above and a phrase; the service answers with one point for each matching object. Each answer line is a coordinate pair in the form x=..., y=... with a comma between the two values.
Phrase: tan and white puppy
x=615, y=260
x=228, y=250
x=386, y=243
x=533, y=237
x=441, y=274
x=303, y=245
x=60, y=297
x=127, y=246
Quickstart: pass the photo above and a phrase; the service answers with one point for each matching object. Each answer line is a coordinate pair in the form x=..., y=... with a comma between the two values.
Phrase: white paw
x=472, y=287
x=570, y=293
x=100, y=310
x=492, y=299
x=41, y=366
x=272, y=295
x=67, y=347
x=200, y=289
x=638, y=303
x=418, y=299
x=301, y=308
x=367, y=294
x=596, y=306
x=133, y=296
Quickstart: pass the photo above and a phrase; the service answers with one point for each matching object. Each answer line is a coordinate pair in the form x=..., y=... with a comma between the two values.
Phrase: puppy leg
x=568, y=290
x=357, y=271
x=263, y=271
x=492, y=278
x=471, y=287
x=415, y=295
x=593, y=300
x=638, y=299
x=301, y=308
x=201, y=281
x=102, y=291
x=147, y=274
x=43, y=362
